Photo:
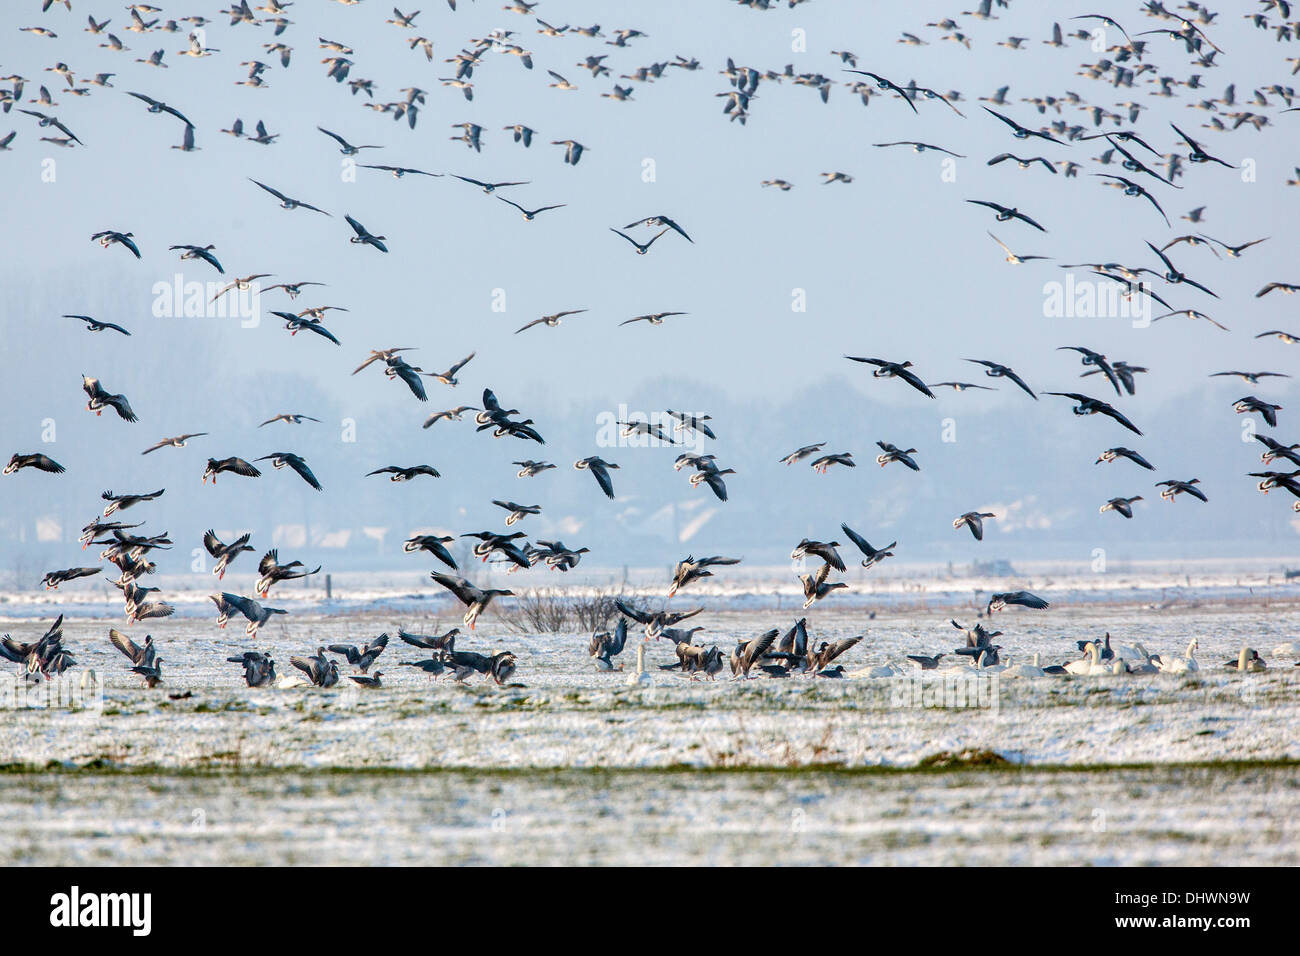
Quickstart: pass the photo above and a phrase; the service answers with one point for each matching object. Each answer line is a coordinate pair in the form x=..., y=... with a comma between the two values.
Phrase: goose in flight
x=1021, y=161
x=1123, y=506
x=53, y=579
x=549, y=320
x=599, y=469
x=530, y=214
x=1005, y=213
x=1286, y=288
x=1022, y=132
x=285, y=201
x=1197, y=154
x=517, y=512
x=434, y=545
x=1251, y=377
x=296, y=323
x=200, y=252
x=522, y=134
x=100, y=398
x=363, y=236
x=242, y=284
x=405, y=474
x=449, y=377
x=644, y=428
x=1173, y=488
x=885, y=84
x=886, y=369
x=1276, y=450
x=233, y=465
x=1093, y=406
x=975, y=521
x=695, y=423
x=873, y=555
x=1133, y=189
x=1114, y=454
x=1187, y=314
x=1267, y=411
x=1022, y=598
x=692, y=569
x=799, y=454
x=109, y=236
x=1012, y=258
x=36, y=460
x=45, y=121
x=713, y=478
x=489, y=188
x=451, y=414
x=530, y=469
x=157, y=106
x=994, y=370
x=292, y=289
x=825, y=550
x=281, y=459
x=178, y=441
x=1174, y=277
x=225, y=553
x=845, y=458
x=894, y=453
x=653, y=318
x=1097, y=360
x=255, y=613
x=641, y=248
x=660, y=220
x=291, y=418
x=920, y=147
x=475, y=600
x=815, y=586
x=346, y=148
x=140, y=655
x=122, y=502
x=399, y=171
x=95, y=325
x=573, y=150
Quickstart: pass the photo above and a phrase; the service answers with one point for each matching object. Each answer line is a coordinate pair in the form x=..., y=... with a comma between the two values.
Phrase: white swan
x=1289, y=649
x=1144, y=664
x=1024, y=670
x=1182, y=665
x=640, y=677
x=885, y=670
x=990, y=668
x=1249, y=660
x=290, y=681
x=1092, y=664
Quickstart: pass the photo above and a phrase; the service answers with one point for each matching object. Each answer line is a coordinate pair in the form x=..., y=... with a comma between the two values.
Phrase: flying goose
x=531, y=214
x=549, y=320
x=894, y=453
x=475, y=600
x=100, y=398
x=873, y=555
x=108, y=237
x=599, y=469
x=434, y=545
x=256, y=614
x=1022, y=598
x=281, y=459
x=450, y=414
x=1093, y=406
x=994, y=370
x=405, y=474
x=53, y=579
x=35, y=460
x=845, y=458
x=346, y=148
x=692, y=569
x=975, y=521
x=95, y=325
x=653, y=318
x=290, y=417
x=641, y=248
x=815, y=587
x=799, y=454
x=122, y=502
x=233, y=464
x=660, y=220
x=225, y=553
x=886, y=369
x=1006, y=213
x=530, y=469
x=285, y=201
x=364, y=237
x=200, y=252
x=1123, y=506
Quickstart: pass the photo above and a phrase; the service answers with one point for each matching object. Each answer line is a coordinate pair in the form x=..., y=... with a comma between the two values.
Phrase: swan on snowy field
x=1024, y=670
x=1289, y=649
x=1182, y=665
x=640, y=677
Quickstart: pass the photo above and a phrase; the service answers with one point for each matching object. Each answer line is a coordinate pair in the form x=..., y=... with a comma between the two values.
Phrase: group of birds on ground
x=1150, y=173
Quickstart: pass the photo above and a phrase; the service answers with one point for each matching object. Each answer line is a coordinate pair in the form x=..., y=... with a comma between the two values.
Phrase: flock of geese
x=1153, y=157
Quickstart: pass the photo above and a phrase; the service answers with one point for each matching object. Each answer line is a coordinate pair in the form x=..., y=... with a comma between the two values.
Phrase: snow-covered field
x=577, y=761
